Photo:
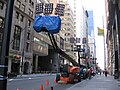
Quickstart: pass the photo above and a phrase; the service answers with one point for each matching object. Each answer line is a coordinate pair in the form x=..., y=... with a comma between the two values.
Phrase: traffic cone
x=47, y=82
x=18, y=88
x=54, y=80
x=41, y=87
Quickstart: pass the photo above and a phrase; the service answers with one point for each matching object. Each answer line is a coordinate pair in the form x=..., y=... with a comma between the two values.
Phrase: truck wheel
x=71, y=78
x=57, y=77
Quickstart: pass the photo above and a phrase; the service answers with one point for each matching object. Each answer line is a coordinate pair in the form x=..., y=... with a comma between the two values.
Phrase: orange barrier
x=41, y=87
x=47, y=82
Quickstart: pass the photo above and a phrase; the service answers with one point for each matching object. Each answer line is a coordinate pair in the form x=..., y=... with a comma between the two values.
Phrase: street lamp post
x=5, y=45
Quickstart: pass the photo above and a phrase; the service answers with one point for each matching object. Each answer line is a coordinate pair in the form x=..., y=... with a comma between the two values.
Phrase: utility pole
x=5, y=45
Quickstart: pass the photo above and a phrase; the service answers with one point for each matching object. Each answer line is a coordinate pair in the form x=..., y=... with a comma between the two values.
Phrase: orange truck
x=69, y=74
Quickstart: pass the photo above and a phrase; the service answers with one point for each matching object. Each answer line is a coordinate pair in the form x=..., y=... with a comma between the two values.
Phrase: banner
x=100, y=32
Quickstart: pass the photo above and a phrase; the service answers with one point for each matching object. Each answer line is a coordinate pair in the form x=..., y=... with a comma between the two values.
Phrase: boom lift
x=68, y=73
x=52, y=24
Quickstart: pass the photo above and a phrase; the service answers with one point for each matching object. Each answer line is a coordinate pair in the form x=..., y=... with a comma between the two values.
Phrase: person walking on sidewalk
x=89, y=73
x=106, y=73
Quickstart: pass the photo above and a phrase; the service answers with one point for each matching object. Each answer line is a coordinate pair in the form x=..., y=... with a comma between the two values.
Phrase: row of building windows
x=22, y=6
x=31, y=2
x=21, y=18
x=16, y=39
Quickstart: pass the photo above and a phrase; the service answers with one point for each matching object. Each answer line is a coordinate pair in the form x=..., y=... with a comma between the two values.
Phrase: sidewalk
x=31, y=75
x=98, y=83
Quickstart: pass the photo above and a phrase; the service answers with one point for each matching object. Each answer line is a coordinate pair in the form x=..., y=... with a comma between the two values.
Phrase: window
x=1, y=5
x=27, y=47
x=18, y=3
x=17, y=15
x=16, y=38
x=28, y=36
x=23, y=7
x=68, y=29
x=29, y=23
x=1, y=22
x=30, y=12
x=21, y=18
x=32, y=4
x=30, y=1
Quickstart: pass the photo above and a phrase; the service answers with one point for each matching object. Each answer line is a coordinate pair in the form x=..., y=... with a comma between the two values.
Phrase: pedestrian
x=100, y=72
x=106, y=73
x=89, y=73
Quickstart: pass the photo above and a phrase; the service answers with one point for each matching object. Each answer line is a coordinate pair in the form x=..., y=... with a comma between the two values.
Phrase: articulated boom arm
x=58, y=50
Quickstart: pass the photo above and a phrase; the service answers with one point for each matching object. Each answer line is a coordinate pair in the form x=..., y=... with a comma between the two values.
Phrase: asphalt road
x=35, y=83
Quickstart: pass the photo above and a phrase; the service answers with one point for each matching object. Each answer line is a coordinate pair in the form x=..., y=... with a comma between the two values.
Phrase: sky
x=98, y=7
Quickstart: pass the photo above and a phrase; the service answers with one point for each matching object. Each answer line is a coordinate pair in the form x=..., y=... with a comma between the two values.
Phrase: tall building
x=20, y=48
x=90, y=23
x=81, y=26
x=113, y=37
x=91, y=39
x=68, y=31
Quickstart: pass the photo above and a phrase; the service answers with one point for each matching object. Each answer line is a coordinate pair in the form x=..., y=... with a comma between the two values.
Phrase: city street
x=98, y=82
x=34, y=82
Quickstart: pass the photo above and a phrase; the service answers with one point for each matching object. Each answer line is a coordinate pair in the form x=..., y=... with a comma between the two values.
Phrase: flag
x=100, y=32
